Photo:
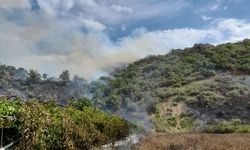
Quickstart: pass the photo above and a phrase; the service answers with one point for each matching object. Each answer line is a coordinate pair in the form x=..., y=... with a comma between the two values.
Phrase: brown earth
x=195, y=141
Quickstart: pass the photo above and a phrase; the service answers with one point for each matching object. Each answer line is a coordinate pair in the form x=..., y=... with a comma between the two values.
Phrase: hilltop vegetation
x=188, y=89
x=31, y=84
x=39, y=125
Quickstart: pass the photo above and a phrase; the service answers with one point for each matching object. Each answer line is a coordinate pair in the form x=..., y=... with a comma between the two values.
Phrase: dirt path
x=194, y=141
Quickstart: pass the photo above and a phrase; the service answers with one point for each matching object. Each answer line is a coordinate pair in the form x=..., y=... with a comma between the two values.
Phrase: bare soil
x=195, y=141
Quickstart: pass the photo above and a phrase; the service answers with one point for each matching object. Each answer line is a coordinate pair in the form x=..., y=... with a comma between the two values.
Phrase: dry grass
x=193, y=141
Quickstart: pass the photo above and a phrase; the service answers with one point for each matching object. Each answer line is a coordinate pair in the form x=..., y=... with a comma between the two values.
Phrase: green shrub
x=172, y=122
x=49, y=126
x=81, y=103
x=228, y=127
x=186, y=122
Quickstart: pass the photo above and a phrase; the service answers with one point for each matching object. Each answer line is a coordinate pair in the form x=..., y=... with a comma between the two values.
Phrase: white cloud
x=93, y=25
x=53, y=8
x=102, y=11
x=123, y=27
x=235, y=29
x=119, y=8
x=9, y=4
x=206, y=18
x=212, y=6
x=90, y=3
x=47, y=7
x=216, y=5
x=110, y=13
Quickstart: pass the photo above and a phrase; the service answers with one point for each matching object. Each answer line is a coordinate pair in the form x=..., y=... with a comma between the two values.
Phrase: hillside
x=204, y=87
x=31, y=84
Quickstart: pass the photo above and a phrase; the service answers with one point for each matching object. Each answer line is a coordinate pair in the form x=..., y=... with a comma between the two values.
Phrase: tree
x=79, y=80
x=81, y=103
x=5, y=75
x=65, y=76
x=45, y=76
x=34, y=76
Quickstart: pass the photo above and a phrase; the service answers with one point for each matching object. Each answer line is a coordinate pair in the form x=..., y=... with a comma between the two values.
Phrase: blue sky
x=91, y=37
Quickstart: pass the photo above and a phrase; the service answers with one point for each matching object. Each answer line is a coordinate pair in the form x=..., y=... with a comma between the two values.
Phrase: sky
x=92, y=37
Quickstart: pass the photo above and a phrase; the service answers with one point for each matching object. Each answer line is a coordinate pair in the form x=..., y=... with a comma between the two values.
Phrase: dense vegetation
x=39, y=125
x=194, y=87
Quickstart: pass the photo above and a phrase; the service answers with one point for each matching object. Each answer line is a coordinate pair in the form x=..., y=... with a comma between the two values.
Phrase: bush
x=49, y=126
x=81, y=103
x=186, y=123
x=228, y=127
